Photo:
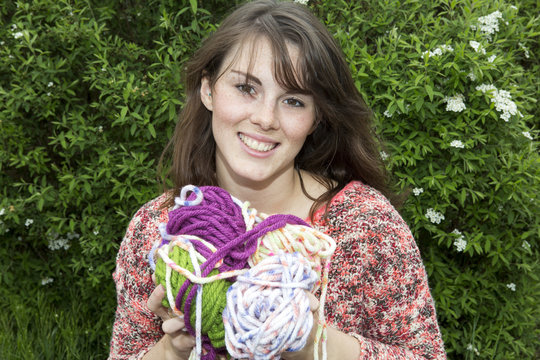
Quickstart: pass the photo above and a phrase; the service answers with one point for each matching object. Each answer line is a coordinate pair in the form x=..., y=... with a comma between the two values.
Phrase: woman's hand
x=177, y=342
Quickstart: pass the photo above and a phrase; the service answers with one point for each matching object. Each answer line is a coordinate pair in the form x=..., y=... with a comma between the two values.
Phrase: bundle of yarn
x=210, y=241
x=267, y=308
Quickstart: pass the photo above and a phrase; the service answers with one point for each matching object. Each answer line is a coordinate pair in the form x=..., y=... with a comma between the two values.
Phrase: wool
x=267, y=309
x=213, y=237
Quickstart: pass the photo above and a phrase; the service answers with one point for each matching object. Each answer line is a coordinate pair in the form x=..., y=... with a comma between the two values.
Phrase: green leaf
x=429, y=91
x=193, y=6
x=152, y=130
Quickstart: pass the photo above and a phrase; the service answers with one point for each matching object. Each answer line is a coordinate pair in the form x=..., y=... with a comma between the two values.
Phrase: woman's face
x=258, y=126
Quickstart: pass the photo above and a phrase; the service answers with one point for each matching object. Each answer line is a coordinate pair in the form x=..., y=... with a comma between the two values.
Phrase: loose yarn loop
x=267, y=309
x=222, y=236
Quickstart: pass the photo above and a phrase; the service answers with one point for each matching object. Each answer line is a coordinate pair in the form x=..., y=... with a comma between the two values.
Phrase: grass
x=36, y=329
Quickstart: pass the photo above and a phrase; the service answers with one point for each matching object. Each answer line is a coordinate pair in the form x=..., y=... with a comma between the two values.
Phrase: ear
x=206, y=93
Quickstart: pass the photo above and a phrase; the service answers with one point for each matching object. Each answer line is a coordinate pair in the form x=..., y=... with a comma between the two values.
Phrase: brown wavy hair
x=342, y=148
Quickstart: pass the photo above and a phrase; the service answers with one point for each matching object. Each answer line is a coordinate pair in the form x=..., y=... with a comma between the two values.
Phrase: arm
x=136, y=329
x=378, y=290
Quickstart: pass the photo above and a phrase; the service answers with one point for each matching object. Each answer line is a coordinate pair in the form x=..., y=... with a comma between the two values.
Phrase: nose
x=265, y=115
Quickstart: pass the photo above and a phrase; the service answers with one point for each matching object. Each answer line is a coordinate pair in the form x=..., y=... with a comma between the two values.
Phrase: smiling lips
x=255, y=144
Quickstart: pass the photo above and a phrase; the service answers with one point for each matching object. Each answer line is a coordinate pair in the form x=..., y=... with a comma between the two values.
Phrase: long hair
x=343, y=146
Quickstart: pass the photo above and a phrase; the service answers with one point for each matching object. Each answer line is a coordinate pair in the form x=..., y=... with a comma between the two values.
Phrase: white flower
x=2, y=43
x=489, y=24
x=13, y=27
x=303, y=2
x=384, y=155
x=46, y=281
x=504, y=104
x=470, y=347
x=434, y=216
x=511, y=286
x=526, y=245
x=502, y=100
x=2, y=211
x=48, y=94
x=56, y=244
x=513, y=7
x=457, y=144
x=387, y=114
x=460, y=243
x=486, y=88
x=72, y=236
x=100, y=129
x=18, y=34
x=96, y=232
x=492, y=58
x=525, y=50
x=417, y=191
x=28, y=222
x=471, y=76
x=455, y=103
x=50, y=84
x=438, y=51
x=477, y=47
x=525, y=133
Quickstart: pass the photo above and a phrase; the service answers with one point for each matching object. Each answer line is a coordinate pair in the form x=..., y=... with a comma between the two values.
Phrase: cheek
x=302, y=128
x=227, y=112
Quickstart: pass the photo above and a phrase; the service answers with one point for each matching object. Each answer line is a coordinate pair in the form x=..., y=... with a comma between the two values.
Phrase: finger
x=154, y=302
x=313, y=302
x=173, y=325
x=154, y=278
x=182, y=341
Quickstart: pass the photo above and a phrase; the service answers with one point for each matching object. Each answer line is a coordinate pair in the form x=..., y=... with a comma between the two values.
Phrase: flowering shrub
x=452, y=86
x=89, y=93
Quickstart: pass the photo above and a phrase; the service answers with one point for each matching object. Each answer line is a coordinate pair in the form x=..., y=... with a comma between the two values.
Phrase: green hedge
x=89, y=92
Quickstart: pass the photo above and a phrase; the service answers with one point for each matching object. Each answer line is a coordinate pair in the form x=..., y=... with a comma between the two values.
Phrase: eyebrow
x=256, y=80
x=248, y=76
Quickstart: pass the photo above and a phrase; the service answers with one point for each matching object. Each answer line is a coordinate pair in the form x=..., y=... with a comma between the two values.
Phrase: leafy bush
x=89, y=93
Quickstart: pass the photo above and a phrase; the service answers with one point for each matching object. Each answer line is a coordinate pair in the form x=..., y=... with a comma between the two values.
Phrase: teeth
x=256, y=145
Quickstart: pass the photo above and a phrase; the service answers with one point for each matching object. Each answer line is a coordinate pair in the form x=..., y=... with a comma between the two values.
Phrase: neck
x=281, y=195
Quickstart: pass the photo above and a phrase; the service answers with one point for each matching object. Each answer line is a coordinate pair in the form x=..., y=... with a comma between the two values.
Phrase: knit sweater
x=378, y=290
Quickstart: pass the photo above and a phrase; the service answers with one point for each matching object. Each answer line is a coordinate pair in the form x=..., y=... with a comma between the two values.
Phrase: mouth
x=257, y=145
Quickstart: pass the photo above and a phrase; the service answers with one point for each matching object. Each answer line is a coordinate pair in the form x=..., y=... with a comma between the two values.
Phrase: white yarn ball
x=268, y=310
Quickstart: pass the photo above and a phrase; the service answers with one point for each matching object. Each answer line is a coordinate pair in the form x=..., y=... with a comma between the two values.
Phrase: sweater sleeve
x=378, y=289
x=136, y=329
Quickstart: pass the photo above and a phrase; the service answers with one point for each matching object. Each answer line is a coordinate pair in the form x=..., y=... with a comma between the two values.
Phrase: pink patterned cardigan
x=378, y=289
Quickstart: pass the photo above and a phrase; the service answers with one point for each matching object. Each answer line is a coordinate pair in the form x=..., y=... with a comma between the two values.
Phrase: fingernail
x=184, y=329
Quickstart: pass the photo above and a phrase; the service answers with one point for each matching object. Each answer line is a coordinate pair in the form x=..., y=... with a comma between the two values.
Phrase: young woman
x=272, y=115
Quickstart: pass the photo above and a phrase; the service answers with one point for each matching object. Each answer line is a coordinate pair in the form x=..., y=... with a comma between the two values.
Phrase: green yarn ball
x=214, y=297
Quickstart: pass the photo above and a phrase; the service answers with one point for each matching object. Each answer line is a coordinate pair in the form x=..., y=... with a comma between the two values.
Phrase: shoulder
x=359, y=214
x=359, y=201
x=151, y=212
x=143, y=229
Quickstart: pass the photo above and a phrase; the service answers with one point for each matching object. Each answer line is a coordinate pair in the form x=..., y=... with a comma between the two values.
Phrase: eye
x=246, y=89
x=294, y=102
